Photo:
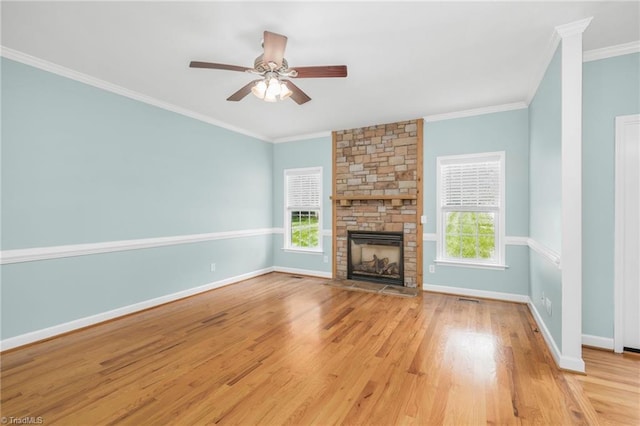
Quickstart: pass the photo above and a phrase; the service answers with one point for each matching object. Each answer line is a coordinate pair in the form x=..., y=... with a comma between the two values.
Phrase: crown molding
x=573, y=28
x=558, y=34
x=475, y=111
x=303, y=137
x=611, y=51
x=18, y=56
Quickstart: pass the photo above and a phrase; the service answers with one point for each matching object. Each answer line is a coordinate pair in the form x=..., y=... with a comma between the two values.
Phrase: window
x=470, y=198
x=303, y=209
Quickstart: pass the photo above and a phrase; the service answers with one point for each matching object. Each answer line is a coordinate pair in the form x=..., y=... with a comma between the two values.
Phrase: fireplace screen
x=376, y=257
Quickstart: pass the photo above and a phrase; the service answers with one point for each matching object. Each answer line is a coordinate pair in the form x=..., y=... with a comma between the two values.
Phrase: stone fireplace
x=377, y=188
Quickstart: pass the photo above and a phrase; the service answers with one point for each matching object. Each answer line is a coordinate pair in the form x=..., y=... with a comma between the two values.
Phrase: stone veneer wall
x=379, y=161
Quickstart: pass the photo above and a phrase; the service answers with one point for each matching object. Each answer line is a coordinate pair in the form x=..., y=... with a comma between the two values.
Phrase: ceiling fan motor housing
x=262, y=67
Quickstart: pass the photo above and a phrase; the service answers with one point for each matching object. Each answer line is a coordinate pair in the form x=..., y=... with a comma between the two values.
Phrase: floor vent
x=464, y=299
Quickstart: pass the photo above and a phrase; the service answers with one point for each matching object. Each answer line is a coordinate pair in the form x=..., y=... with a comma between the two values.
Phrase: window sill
x=476, y=265
x=303, y=251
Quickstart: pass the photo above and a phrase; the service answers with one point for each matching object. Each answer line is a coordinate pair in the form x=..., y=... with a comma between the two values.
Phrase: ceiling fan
x=274, y=71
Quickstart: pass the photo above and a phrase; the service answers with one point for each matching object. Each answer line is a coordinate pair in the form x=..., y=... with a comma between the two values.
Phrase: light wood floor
x=282, y=350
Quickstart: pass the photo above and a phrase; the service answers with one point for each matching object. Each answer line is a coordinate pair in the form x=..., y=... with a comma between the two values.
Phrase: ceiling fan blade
x=274, y=45
x=298, y=95
x=197, y=64
x=244, y=91
x=322, y=71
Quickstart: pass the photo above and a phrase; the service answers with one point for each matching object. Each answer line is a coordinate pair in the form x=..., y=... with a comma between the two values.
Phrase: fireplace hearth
x=375, y=257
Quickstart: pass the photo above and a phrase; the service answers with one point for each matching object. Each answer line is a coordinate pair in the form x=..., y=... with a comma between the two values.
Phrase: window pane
x=485, y=224
x=487, y=246
x=470, y=235
x=453, y=224
x=468, y=223
x=469, y=250
x=304, y=229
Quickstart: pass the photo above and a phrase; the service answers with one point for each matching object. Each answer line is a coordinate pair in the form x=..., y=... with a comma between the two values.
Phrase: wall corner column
x=571, y=248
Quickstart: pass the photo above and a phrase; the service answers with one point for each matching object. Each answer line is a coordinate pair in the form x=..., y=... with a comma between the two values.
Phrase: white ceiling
x=405, y=60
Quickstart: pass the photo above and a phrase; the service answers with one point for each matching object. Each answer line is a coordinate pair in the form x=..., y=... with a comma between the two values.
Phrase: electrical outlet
x=432, y=269
x=423, y=219
x=326, y=259
x=547, y=304
x=213, y=267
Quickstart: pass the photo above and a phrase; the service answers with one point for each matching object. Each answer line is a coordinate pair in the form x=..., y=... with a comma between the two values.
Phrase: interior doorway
x=627, y=234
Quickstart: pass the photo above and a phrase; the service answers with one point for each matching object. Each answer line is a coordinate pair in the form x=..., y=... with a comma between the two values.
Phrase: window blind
x=471, y=184
x=303, y=190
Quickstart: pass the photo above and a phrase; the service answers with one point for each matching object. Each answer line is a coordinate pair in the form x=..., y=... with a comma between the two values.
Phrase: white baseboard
x=546, y=334
x=572, y=364
x=320, y=274
x=507, y=297
x=564, y=362
x=34, y=336
x=597, y=342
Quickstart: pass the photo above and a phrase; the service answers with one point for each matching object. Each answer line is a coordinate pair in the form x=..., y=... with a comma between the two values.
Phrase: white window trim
x=499, y=261
x=287, y=217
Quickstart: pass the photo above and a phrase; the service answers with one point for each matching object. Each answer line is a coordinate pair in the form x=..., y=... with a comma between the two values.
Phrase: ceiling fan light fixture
x=273, y=85
x=285, y=92
x=271, y=89
x=270, y=97
x=259, y=89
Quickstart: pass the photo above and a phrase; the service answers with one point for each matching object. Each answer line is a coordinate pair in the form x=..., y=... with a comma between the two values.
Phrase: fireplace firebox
x=375, y=257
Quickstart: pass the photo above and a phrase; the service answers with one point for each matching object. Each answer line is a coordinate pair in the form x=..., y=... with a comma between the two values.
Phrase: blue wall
x=305, y=153
x=82, y=165
x=503, y=131
x=611, y=87
x=545, y=213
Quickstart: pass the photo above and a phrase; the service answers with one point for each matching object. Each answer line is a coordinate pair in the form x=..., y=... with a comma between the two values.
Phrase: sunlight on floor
x=476, y=351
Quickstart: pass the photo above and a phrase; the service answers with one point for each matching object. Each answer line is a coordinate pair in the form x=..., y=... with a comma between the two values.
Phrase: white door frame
x=618, y=286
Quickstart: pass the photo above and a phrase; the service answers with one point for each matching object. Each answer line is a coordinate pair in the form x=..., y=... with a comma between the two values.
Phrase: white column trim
x=571, y=249
x=575, y=28
x=619, y=232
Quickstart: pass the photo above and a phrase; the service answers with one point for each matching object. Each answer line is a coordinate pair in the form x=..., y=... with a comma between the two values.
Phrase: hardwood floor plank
x=282, y=350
